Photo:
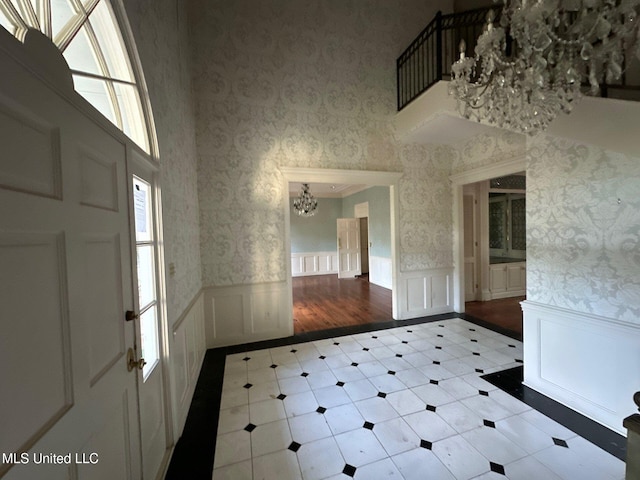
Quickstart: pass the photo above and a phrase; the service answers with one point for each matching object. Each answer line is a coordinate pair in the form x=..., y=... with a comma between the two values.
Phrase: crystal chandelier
x=532, y=66
x=305, y=205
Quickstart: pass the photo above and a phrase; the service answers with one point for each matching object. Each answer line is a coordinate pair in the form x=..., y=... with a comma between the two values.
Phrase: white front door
x=349, y=254
x=151, y=382
x=68, y=407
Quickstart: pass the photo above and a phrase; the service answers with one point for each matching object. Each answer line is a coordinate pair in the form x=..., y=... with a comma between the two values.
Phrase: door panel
x=66, y=263
x=349, y=255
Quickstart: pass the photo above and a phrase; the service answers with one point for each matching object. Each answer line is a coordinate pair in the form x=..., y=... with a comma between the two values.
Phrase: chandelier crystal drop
x=530, y=68
x=305, y=205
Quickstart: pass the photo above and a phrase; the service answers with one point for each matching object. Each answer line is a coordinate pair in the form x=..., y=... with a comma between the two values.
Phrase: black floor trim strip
x=511, y=382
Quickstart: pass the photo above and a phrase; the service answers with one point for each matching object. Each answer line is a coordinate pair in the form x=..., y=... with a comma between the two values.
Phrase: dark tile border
x=511, y=382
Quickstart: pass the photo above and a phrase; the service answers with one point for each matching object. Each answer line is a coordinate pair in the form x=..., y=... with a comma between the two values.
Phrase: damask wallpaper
x=160, y=33
x=583, y=228
x=302, y=84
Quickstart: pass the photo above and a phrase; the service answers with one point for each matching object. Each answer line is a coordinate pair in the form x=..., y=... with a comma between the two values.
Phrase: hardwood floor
x=505, y=313
x=321, y=302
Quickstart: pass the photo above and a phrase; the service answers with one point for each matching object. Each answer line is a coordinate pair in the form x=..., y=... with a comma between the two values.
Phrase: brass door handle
x=130, y=315
x=132, y=363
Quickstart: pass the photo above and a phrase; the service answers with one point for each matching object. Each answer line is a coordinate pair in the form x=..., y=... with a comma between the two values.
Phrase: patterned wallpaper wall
x=300, y=84
x=583, y=246
x=160, y=33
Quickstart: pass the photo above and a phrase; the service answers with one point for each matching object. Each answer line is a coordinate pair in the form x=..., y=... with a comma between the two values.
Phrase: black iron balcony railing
x=429, y=57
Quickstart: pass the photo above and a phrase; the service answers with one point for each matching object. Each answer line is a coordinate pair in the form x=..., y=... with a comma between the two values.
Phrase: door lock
x=130, y=315
x=132, y=363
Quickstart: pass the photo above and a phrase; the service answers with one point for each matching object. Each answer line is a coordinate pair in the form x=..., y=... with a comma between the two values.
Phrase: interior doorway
x=360, y=308
x=488, y=283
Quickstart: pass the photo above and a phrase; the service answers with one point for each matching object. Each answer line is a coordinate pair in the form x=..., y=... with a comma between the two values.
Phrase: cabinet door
x=498, y=278
x=515, y=276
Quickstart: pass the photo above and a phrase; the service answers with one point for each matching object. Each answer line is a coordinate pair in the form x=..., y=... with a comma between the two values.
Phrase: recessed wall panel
x=416, y=289
x=36, y=384
x=30, y=160
x=265, y=311
x=228, y=316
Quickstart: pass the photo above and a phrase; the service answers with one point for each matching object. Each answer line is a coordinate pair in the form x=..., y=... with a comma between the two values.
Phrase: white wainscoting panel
x=380, y=272
x=314, y=263
x=586, y=362
x=247, y=313
x=425, y=292
x=187, y=353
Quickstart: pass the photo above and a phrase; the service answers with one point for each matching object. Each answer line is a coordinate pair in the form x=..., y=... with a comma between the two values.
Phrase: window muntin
x=87, y=34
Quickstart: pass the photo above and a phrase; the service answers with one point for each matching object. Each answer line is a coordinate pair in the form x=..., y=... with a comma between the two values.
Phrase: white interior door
x=470, y=248
x=64, y=289
x=349, y=253
x=151, y=381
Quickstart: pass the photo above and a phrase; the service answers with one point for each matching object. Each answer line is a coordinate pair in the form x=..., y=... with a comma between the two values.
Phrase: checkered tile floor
x=406, y=402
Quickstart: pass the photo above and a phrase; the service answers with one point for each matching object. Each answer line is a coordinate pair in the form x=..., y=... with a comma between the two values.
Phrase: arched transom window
x=87, y=34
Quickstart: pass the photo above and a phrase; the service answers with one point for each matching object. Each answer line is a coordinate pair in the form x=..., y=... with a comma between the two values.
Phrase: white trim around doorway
x=362, y=177
x=499, y=169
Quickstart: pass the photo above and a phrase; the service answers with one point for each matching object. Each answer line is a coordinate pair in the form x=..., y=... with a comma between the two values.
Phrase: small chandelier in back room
x=530, y=67
x=305, y=205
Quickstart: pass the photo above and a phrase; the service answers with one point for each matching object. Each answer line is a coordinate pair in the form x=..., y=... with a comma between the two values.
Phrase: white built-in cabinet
x=507, y=279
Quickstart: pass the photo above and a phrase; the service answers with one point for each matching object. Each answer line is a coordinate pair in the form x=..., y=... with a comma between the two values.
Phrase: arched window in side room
x=91, y=41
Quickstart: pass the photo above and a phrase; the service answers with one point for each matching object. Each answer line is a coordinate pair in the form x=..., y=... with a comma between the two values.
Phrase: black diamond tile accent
x=246, y=359
x=294, y=447
x=489, y=423
x=433, y=382
x=438, y=348
x=247, y=386
x=349, y=470
x=391, y=372
x=560, y=442
x=474, y=340
x=399, y=355
x=497, y=468
x=479, y=370
x=365, y=349
x=368, y=425
x=340, y=384
x=476, y=354
x=519, y=360
x=274, y=365
x=441, y=326
x=482, y=392
x=304, y=374
x=382, y=394
x=336, y=343
x=512, y=346
x=472, y=329
x=431, y=408
x=250, y=428
x=293, y=350
x=321, y=409
x=374, y=336
x=322, y=357
x=354, y=364
x=282, y=396
x=405, y=342
x=436, y=362
x=426, y=444
x=441, y=336
x=409, y=331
